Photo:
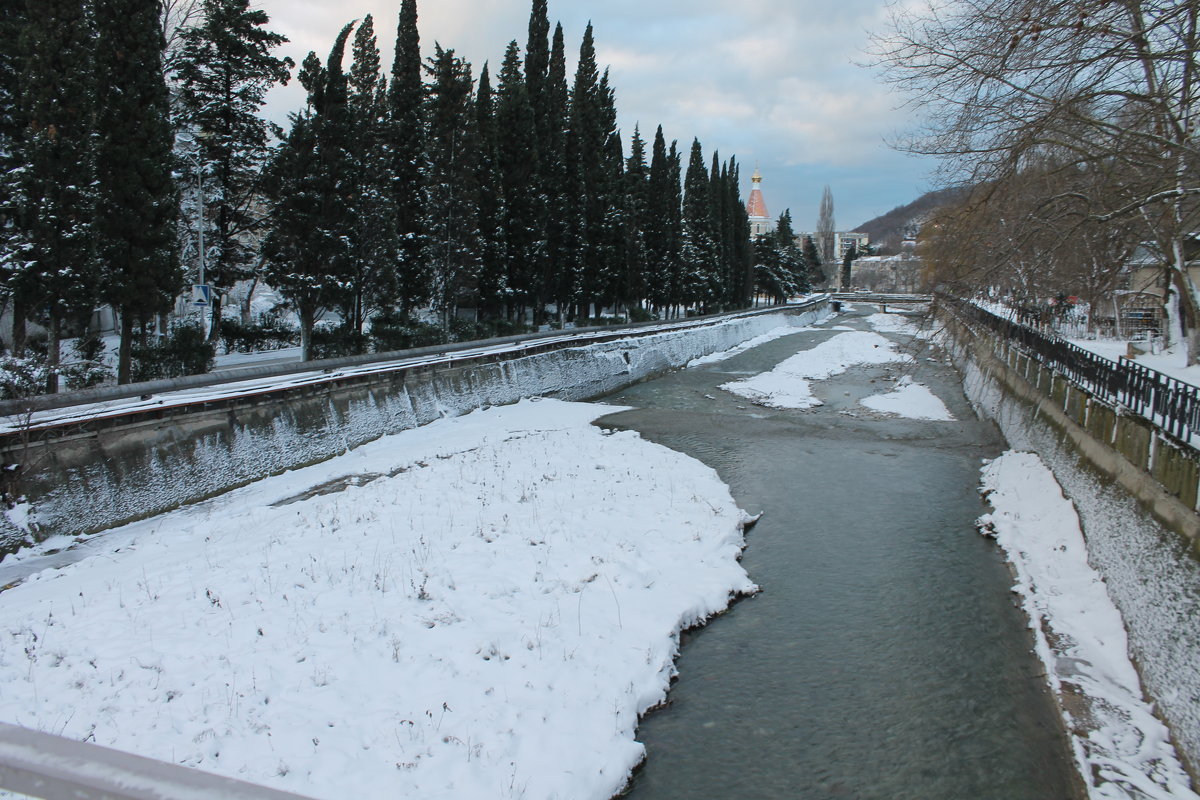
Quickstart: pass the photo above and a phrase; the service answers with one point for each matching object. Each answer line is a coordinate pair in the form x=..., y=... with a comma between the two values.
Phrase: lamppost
x=201, y=294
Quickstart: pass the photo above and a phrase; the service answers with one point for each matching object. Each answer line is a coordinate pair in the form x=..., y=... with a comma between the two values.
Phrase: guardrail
x=52, y=767
x=1169, y=403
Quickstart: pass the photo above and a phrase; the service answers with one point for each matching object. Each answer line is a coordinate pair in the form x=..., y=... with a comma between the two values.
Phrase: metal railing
x=1169, y=403
x=54, y=768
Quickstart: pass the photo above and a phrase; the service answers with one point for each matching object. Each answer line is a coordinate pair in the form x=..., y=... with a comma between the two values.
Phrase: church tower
x=756, y=208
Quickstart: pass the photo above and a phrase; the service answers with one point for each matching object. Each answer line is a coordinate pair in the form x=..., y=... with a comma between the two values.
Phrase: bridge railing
x=1169, y=403
x=52, y=767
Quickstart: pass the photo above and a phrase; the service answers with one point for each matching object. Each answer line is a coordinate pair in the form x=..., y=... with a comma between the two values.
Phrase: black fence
x=1170, y=404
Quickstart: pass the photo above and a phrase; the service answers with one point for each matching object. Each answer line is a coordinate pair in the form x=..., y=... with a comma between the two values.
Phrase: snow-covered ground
x=1122, y=749
x=788, y=385
x=479, y=608
x=1169, y=362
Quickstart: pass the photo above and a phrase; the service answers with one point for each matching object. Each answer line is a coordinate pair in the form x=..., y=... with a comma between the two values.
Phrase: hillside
x=903, y=222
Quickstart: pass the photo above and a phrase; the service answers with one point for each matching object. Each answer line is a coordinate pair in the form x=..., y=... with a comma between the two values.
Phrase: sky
x=776, y=83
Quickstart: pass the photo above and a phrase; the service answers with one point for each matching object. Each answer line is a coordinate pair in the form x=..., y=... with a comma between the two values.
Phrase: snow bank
x=769, y=336
x=911, y=400
x=1122, y=749
x=479, y=608
x=1149, y=573
x=788, y=385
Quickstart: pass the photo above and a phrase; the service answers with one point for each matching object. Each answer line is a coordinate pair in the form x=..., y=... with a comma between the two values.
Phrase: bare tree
x=176, y=16
x=825, y=230
x=1110, y=86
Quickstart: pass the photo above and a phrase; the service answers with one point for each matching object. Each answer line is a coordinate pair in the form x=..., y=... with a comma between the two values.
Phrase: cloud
x=768, y=81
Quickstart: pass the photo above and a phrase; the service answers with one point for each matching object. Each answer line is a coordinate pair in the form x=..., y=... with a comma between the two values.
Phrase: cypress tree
x=517, y=146
x=812, y=260
x=698, y=252
x=138, y=201
x=56, y=272
x=657, y=225
x=636, y=212
x=494, y=280
x=586, y=139
x=406, y=95
x=739, y=233
x=451, y=203
x=12, y=241
x=373, y=240
x=306, y=248
x=225, y=71
x=675, y=226
x=553, y=263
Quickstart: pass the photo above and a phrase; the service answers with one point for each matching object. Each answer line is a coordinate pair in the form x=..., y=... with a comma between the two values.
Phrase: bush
x=22, y=377
x=391, y=330
x=181, y=352
x=267, y=332
x=639, y=314
x=87, y=368
x=337, y=342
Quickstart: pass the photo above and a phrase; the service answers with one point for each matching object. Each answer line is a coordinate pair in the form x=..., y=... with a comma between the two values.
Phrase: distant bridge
x=881, y=297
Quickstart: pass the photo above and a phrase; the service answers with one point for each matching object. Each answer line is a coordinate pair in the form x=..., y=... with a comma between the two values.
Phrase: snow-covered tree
x=225, y=69
x=137, y=200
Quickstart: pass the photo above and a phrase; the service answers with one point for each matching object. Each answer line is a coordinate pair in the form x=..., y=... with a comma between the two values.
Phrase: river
x=885, y=656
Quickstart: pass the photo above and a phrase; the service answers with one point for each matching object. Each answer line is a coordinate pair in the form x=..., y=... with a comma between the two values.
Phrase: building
x=845, y=241
x=756, y=208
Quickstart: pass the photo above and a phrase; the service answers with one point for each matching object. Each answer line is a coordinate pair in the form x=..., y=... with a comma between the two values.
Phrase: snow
x=479, y=608
x=911, y=400
x=1122, y=749
x=1168, y=362
x=769, y=336
x=788, y=384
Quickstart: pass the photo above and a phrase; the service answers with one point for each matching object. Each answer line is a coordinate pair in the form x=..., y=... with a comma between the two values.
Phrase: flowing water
x=885, y=657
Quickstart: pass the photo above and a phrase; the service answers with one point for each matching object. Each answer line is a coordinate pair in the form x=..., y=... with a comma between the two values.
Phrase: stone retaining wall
x=1134, y=488
x=100, y=473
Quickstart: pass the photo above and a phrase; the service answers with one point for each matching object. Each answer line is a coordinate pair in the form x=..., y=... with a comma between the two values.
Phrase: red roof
x=756, y=206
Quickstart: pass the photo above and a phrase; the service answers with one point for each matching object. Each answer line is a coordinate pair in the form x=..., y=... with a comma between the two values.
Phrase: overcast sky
x=772, y=82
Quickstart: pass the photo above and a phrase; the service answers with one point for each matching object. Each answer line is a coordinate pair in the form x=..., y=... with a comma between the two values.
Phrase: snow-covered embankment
x=479, y=608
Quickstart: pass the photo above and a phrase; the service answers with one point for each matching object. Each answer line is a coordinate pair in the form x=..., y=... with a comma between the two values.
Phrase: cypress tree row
x=388, y=198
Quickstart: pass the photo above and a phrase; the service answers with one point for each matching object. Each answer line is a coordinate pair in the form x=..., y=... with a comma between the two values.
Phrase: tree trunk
x=307, y=317
x=18, y=328
x=246, y=316
x=214, y=330
x=125, y=349
x=52, y=354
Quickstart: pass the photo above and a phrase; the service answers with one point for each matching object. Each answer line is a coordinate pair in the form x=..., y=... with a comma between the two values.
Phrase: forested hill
x=903, y=222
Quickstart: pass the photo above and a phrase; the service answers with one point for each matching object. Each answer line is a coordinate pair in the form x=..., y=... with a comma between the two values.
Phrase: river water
x=885, y=657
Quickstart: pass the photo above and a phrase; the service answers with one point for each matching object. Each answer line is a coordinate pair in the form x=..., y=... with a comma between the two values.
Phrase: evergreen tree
x=12, y=240
x=56, y=271
x=306, y=250
x=675, y=226
x=406, y=96
x=554, y=254
x=373, y=239
x=585, y=161
x=659, y=213
x=698, y=252
x=791, y=259
x=739, y=235
x=138, y=201
x=493, y=284
x=636, y=196
x=451, y=198
x=517, y=152
x=812, y=260
x=225, y=71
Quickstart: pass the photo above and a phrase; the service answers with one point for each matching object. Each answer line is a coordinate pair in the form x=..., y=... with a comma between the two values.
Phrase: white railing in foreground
x=53, y=768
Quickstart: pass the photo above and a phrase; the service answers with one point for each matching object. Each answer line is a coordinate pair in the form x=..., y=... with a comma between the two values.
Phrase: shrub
x=267, y=332
x=183, y=351
x=87, y=368
x=391, y=330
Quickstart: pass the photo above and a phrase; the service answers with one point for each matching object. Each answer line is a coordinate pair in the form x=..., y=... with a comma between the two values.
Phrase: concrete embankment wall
x=1134, y=490
x=97, y=473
